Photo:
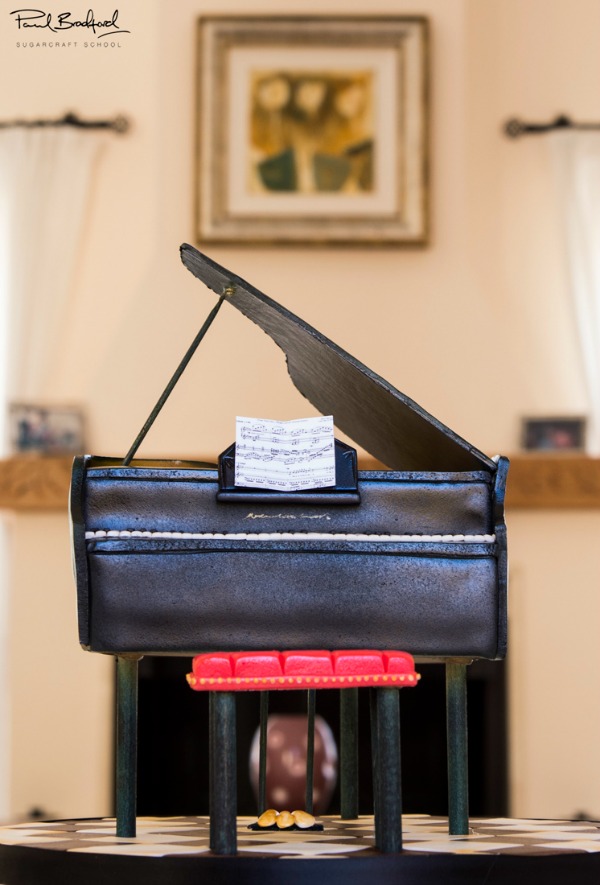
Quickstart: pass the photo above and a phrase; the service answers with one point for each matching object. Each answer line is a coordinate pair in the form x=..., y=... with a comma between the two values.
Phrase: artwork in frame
x=43, y=429
x=566, y=434
x=312, y=130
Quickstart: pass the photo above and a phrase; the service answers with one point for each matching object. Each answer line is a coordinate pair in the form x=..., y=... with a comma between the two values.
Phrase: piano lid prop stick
x=177, y=374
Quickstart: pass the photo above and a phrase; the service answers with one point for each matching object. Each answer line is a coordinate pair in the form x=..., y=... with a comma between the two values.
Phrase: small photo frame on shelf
x=565, y=434
x=312, y=130
x=40, y=429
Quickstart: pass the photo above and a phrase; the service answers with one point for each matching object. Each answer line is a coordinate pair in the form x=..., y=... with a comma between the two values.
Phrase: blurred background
x=478, y=326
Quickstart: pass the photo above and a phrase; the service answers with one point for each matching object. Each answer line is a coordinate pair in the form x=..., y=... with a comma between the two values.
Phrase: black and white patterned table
x=176, y=850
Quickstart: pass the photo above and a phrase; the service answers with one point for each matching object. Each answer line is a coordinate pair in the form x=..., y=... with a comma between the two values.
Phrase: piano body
x=172, y=559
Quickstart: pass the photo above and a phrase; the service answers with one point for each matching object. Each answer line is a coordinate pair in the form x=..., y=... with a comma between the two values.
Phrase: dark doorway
x=173, y=740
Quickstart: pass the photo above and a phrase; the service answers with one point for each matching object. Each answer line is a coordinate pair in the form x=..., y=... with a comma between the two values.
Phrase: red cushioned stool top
x=274, y=670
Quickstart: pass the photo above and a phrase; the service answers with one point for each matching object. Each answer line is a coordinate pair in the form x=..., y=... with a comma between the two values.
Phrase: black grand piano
x=169, y=561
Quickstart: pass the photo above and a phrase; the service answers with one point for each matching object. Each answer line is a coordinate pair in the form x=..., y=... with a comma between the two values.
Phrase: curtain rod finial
x=121, y=124
x=513, y=128
x=562, y=122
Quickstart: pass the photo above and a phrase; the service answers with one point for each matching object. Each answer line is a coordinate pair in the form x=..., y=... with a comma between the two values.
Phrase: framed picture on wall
x=312, y=130
x=43, y=429
x=565, y=434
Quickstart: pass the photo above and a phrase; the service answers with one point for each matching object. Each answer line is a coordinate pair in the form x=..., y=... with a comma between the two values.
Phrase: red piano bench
x=225, y=673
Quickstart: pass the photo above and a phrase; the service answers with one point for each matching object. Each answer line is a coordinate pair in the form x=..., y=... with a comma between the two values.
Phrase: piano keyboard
x=288, y=536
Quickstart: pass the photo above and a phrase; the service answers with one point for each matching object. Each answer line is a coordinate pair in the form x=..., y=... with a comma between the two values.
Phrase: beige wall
x=476, y=328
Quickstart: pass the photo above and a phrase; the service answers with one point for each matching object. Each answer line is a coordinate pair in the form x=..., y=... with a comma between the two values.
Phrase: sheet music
x=284, y=455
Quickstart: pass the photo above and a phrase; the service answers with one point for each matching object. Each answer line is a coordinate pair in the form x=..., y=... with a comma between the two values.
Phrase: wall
x=534, y=60
x=476, y=328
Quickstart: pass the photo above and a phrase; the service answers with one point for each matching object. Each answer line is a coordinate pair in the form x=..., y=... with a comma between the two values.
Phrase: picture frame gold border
x=217, y=34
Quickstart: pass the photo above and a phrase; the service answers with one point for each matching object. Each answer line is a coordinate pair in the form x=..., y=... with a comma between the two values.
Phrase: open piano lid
x=386, y=423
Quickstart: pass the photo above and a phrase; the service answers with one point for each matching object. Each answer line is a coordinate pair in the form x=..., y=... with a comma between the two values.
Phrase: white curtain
x=45, y=187
x=576, y=161
x=46, y=178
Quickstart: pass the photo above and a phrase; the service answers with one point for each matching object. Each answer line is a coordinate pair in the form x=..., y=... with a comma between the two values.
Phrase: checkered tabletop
x=162, y=837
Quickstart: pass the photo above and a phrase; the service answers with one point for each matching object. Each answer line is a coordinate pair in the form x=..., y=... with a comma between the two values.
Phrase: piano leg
x=456, y=730
x=387, y=778
x=349, y=753
x=126, y=762
x=223, y=774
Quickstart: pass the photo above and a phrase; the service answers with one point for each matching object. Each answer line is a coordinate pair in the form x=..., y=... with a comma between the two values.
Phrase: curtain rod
x=119, y=124
x=515, y=127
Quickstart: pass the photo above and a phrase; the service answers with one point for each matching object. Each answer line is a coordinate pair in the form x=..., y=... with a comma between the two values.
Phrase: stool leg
x=456, y=730
x=126, y=751
x=389, y=828
x=223, y=777
x=211, y=786
x=262, y=758
x=349, y=753
x=375, y=764
x=310, y=748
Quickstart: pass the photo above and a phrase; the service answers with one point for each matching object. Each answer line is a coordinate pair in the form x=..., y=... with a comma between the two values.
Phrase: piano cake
x=171, y=558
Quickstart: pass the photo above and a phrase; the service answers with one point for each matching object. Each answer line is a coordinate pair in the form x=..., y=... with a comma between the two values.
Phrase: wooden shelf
x=553, y=481
x=35, y=483
x=534, y=482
